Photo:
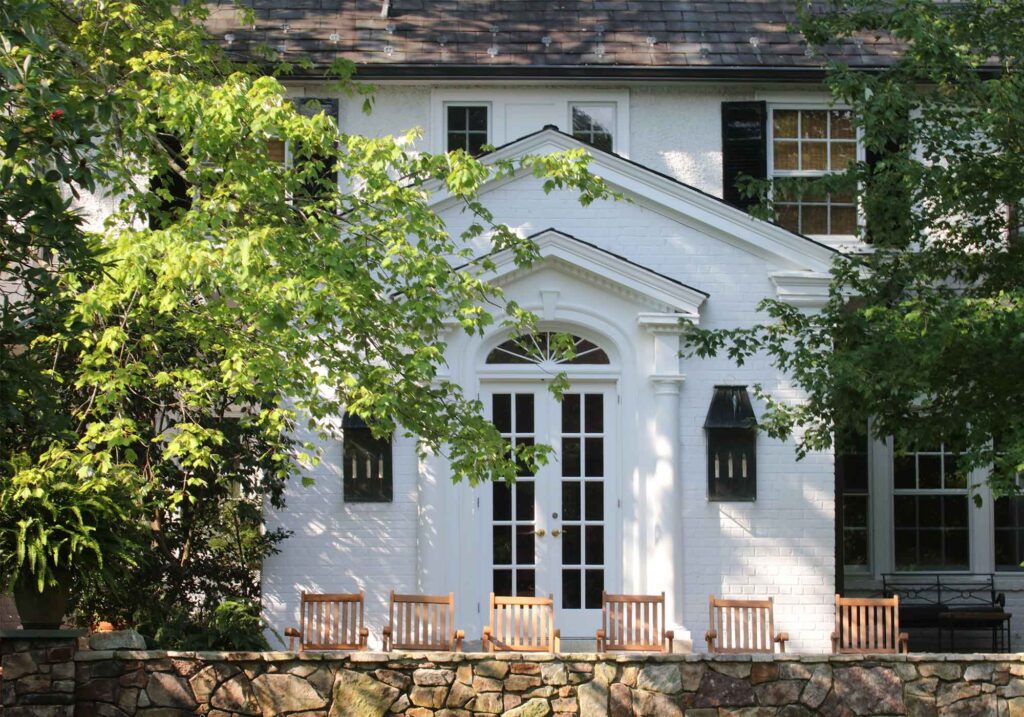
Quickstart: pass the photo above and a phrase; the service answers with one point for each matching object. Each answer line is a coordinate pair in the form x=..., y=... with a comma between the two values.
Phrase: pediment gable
x=566, y=253
x=681, y=202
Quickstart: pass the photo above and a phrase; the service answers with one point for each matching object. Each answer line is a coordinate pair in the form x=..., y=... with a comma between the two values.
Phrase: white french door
x=554, y=532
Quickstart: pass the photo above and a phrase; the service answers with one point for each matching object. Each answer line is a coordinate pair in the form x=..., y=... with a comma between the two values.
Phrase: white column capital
x=662, y=323
x=667, y=384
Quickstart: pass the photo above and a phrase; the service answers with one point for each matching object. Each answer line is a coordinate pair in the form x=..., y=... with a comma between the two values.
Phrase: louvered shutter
x=744, y=147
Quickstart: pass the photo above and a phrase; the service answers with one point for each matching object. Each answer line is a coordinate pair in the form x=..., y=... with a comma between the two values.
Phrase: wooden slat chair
x=868, y=625
x=522, y=624
x=422, y=622
x=743, y=626
x=633, y=623
x=329, y=621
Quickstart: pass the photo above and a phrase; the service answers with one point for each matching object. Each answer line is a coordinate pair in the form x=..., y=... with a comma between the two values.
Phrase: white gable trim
x=602, y=267
x=683, y=202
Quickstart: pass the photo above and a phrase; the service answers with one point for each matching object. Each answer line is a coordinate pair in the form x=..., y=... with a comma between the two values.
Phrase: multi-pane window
x=930, y=511
x=583, y=468
x=1009, y=533
x=514, y=561
x=852, y=481
x=593, y=124
x=807, y=144
x=466, y=128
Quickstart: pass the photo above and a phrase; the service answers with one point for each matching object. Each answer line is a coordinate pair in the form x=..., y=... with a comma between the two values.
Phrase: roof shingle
x=536, y=33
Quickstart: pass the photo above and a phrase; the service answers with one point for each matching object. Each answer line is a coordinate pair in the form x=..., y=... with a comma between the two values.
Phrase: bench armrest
x=670, y=635
x=600, y=640
x=904, y=643
x=364, y=635
x=292, y=633
x=487, y=645
x=556, y=640
x=782, y=638
x=457, y=637
x=709, y=637
x=386, y=638
x=835, y=643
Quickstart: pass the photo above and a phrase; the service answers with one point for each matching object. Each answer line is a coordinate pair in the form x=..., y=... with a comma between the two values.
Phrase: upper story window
x=594, y=123
x=809, y=143
x=930, y=511
x=466, y=127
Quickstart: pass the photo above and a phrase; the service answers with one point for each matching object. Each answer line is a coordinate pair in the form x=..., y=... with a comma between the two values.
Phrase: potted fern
x=54, y=526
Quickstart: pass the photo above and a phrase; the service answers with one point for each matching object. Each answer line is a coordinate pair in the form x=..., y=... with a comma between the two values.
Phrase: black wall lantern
x=367, y=463
x=731, y=429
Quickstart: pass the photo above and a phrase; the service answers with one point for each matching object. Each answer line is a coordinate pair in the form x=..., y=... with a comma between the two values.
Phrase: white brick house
x=675, y=99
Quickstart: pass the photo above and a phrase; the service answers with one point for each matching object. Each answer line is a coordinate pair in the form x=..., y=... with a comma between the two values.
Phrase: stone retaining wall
x=167, y=684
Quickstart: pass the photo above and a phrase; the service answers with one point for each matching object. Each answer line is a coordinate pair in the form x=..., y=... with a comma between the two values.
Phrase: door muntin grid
x=514, y=520
x=583, y=461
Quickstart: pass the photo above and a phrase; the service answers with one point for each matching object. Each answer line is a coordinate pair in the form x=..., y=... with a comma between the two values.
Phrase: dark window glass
x=930, y=511
x=501, y=409
x=502, y=501
x=572, y=589
x=571, y=457
x=524, y=413
x=503, y=582
x=1009, y=533
x=524, y=545
x=502, y=544
x=168, y=184
x=594, y=457
x=571, y=413
x=571, y=500
x=593, y=124
x=524, y=500
x=525, y=582
x=595, y=500
x=467, y=128
x=572, y=550
x=594, y=413
x=595, y=545
x=367, y=464
x=594, y=587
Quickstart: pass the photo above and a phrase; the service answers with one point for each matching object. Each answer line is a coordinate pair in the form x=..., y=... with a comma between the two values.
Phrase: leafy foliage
x=193, y=352
x=923, y=333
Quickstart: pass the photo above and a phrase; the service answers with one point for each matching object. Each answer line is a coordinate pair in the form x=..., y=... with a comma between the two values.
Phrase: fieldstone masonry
x=57, y=681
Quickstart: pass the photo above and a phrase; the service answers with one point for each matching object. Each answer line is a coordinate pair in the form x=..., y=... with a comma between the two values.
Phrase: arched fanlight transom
x=545, y=348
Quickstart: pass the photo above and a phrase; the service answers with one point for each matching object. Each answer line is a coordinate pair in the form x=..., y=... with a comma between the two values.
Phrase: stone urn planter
x=42, y=610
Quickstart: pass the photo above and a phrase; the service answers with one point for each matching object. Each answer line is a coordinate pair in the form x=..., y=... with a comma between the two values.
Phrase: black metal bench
x=951, y=603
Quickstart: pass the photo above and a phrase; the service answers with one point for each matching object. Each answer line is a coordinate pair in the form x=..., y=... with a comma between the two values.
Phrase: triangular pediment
x=688, y=205
x=566, y=253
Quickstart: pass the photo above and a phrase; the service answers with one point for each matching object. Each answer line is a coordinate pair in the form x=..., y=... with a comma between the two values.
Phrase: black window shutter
x=744, y=147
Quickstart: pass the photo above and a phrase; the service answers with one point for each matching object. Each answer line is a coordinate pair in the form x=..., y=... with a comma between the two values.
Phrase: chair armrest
x=781, y=638
x=709, y=637
x=600, y=640
x=904, y=643
x=364, y=635
x=670, y=635
x=835, y=643
x=486, y=645
x=292, y=634
x=1001, y=600
x=457, y=637
x=386, y=638
x=556, y=640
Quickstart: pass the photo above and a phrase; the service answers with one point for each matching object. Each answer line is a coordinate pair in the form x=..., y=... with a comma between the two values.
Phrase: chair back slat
x=422, y=622
x=331, y=621
x=742, y=626
x=867, y=625
x=633, y=623
x=522, y=624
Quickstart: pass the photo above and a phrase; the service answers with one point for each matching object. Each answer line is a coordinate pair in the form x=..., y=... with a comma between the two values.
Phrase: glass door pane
x=582, y=462
x=514, y=519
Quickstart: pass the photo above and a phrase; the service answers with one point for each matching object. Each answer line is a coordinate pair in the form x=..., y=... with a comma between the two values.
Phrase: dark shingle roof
x=537, y=36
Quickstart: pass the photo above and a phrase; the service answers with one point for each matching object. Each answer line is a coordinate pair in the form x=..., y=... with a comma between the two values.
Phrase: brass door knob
x=540, y=532
x=555, y=533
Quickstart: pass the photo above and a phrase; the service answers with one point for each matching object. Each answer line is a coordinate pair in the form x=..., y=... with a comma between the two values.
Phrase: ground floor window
x=1009, y=533
x=930, y=511
x=854, y=494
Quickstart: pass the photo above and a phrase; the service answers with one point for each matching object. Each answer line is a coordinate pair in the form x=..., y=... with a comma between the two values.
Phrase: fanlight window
x=544, y=347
